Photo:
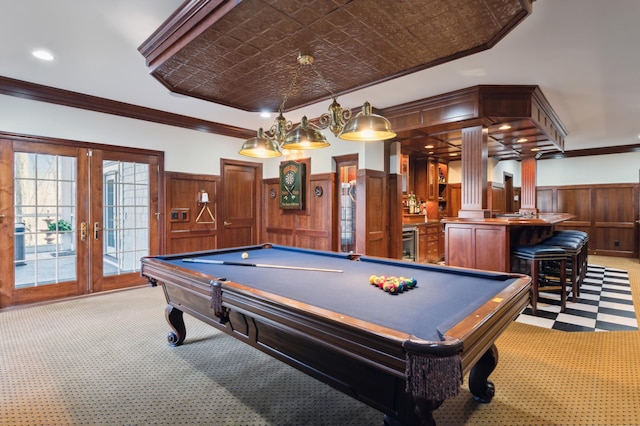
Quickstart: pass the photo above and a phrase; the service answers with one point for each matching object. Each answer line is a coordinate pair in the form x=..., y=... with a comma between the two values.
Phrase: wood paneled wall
x=184, y=234
x=607, y=212
x=496, y=198
x=316, y=226
x=311, y=227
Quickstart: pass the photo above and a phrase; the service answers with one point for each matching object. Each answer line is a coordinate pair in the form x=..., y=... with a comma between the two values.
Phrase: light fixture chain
x=324, y=82
x=291, y=87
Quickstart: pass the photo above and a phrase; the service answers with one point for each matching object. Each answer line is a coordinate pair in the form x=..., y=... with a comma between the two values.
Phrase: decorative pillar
x=475, y=154
x=528, y=190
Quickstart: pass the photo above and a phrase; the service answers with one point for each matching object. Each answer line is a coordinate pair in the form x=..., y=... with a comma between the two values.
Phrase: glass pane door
x=125, y=216
x=347, y=168
x=45, y=216
x=123, y=213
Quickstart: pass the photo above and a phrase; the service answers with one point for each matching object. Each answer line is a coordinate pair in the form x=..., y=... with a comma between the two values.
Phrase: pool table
x=402, y=353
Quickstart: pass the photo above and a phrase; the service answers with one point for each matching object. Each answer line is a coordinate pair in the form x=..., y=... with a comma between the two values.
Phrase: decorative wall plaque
x=292, y=185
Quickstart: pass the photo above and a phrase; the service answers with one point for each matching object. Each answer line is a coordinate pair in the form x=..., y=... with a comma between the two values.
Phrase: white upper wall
x=596, y=169
x=187, y=151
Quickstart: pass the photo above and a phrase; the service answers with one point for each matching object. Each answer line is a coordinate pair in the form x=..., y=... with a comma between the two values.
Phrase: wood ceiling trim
x=37, y=92
x=185, y=24
x=32, y=91
x=492, y=104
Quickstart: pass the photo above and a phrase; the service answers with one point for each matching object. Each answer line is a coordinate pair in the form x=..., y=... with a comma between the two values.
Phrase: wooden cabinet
x=432, y=180
x=433, y=242
x=420, y=183
x=422, y=244
x=443, y=193
x=429, y=242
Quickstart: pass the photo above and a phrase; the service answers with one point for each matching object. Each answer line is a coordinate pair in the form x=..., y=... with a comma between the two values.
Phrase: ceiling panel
x=243, y=54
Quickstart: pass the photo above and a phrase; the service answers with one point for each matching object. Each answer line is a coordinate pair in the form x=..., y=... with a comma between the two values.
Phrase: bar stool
x=537, y=256
x=584, y=251
x=576, y=249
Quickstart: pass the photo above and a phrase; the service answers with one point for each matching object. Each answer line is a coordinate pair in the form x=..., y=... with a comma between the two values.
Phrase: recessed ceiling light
x=265, y=114
x=428, y=146
x=522, y=140
x=504, y=127
x=535, y=149
x=42, y=54
x=453, y=154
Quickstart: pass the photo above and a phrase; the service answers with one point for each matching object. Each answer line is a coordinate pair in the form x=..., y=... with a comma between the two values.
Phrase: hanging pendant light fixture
x=365, y=126
x=305, y=136
x=260, y=146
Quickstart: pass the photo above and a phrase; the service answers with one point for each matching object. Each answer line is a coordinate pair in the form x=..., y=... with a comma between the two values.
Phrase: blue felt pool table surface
x=443, y=296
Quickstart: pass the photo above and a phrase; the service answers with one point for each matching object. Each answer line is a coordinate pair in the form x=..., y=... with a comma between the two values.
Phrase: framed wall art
x=292, y=179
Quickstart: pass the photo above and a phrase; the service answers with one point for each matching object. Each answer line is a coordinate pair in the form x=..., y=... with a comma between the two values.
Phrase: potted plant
x=61, y=226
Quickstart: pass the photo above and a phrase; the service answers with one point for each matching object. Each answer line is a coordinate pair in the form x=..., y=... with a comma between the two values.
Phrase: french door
x=82, y=218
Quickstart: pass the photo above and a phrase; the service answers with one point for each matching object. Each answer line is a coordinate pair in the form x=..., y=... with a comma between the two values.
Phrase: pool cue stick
x=258, y=265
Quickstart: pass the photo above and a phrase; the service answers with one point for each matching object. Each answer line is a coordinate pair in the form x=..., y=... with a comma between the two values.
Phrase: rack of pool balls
x=392, y=285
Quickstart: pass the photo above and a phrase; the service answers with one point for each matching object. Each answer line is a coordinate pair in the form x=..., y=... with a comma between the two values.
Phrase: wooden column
x=528, y=190
x=474, y=172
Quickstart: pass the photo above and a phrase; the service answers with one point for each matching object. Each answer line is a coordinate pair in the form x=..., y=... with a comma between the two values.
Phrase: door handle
x=96, y=230
x=83, y=231
x=225, y=223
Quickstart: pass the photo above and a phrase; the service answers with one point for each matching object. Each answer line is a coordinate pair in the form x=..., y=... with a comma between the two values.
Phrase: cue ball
x=245, y=255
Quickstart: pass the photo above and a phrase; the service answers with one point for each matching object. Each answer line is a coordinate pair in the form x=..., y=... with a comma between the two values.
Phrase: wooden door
x=241, y=197
x=508, y=192
x=124, y=221
x=44, y=203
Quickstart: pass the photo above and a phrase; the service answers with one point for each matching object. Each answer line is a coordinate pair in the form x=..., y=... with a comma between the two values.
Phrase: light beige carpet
x=104, y=360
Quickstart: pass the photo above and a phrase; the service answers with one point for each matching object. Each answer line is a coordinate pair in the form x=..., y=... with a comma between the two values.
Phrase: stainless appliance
x=410, y=243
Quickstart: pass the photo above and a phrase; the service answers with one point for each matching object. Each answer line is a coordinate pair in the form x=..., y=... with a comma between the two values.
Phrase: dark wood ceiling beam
x=37, y=92
x=487, y=105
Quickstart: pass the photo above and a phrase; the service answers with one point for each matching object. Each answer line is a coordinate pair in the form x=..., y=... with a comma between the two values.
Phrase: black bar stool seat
x=584, y=252
x=536, y=256
x=576, y=248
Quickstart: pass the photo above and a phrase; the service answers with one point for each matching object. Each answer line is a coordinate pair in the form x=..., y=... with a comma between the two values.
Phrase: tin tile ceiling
x=243, y=53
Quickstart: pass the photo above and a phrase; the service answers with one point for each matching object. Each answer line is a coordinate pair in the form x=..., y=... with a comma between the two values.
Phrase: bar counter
x=485, y=243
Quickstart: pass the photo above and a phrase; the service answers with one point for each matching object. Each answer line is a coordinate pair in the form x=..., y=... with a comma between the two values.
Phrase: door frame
x=257, y=214
x=8, y=295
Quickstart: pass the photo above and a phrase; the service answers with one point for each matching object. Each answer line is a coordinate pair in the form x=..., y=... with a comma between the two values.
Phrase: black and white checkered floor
x=605, y=304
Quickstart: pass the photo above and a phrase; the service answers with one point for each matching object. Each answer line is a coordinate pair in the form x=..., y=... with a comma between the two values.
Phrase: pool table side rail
x=477, y=331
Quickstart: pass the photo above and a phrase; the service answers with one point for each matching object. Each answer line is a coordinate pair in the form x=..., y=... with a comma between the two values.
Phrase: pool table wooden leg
x=175, y=320
x=479, y=385
x=421, y=414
